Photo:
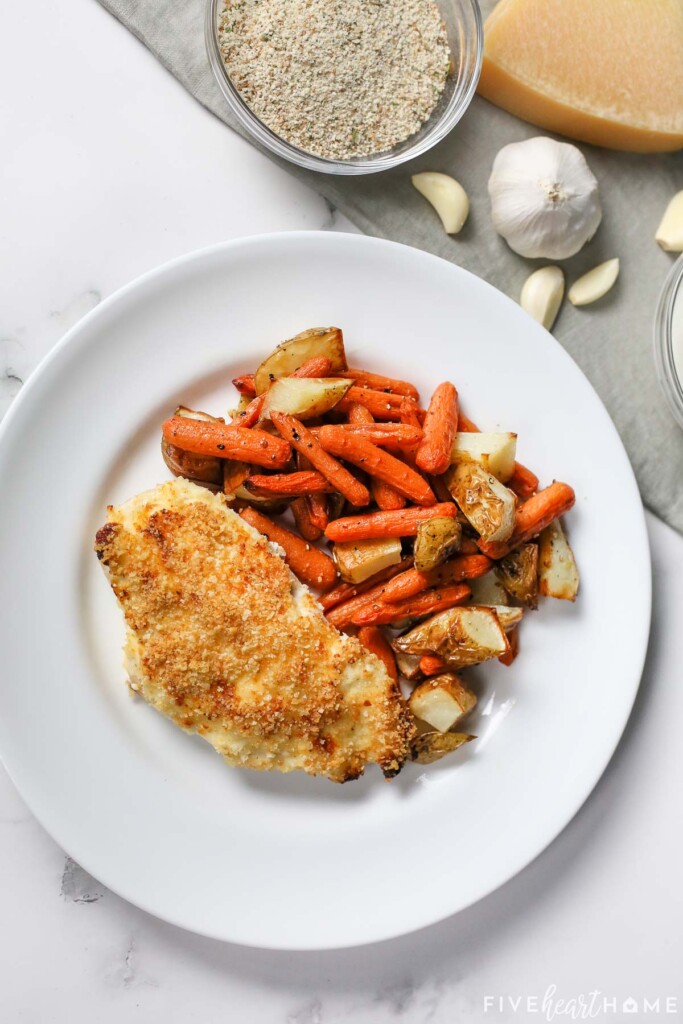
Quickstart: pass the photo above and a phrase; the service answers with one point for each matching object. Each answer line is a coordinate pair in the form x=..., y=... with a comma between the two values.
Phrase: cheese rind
x=610, y=74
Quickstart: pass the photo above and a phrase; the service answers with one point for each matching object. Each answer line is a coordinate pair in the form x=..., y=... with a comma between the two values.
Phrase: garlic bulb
x=544, y=198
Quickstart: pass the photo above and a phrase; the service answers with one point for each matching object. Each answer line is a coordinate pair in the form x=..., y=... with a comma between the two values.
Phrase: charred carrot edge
x=303, y=440
x=378, y=382
x=533, y=516
x=381, y=613
x=245, y=384
x=513, y=648
x=347, y=591
x=307, y=481
x=227, y=441
x=374, y=640
x=523, y=482
x=304, y=524
x=356, y=449
x=431, y=665
x=251, y=415
x=441, y=423
x=402, y=523
x=310, y=565
x=234, y=474
x=462, y=567
x=382, y=404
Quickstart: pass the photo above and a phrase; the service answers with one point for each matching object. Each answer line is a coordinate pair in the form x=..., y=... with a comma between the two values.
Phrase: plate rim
x=70, y=338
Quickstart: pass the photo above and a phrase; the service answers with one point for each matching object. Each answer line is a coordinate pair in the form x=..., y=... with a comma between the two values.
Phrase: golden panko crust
x=227, y=643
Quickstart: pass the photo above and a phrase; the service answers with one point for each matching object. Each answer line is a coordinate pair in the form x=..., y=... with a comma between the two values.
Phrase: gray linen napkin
x=611, y=341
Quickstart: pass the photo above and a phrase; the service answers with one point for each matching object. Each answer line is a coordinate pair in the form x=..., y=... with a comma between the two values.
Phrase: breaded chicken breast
x=226, y=642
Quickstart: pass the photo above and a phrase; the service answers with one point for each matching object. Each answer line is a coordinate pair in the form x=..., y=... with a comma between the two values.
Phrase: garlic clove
x=542, y=295
x=593, y=285
x=670, y=231
x=544, y=198
x=446, y=195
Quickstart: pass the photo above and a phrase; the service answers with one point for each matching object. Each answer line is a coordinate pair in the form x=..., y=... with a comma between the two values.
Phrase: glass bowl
x=669, y=340
x=465, y=37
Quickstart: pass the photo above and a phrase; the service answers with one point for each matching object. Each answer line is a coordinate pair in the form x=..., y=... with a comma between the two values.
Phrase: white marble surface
x=107, y=169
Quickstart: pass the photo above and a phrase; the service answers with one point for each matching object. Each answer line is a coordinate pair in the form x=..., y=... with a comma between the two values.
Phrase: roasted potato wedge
x=557, y=570
x=290, y=355
x=428, y=747
x=461, y=636
x=408, y=665
x=495, y=452
x=487, y=503
x=358, y=560
x=488, y=590
x=305, y=397
x=441, y=701
x=436, y=540
x=508, y=617
x=518, y=573
x=200, y=468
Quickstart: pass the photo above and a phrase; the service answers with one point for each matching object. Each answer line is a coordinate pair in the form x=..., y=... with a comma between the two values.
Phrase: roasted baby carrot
x=234, y=474
x=431, y=664
x=303, y=482
x=304, y=524
x=303, y=440
x=346, y=591
x=381, y=613
x=374, y=640
x=440, y=426
x=462, y=567
x=395, y=437
x=227, y=441
x=469, y=546
x=343, y=614
x=402, y=523
x=513, y=650
x=523, y=482
x=382, y=404
x=316, y=366
x=533, y=516
x=251, y=415
x=356, y=449
x=384, y=495
x=245, y=384
x=310, y=565
x=378, y=382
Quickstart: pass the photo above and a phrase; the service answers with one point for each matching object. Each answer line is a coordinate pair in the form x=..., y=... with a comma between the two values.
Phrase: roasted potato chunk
x=436, y=540
x=487, y=503
x=495, y=452
x=461, y=636
x=358, y=560
x=204, y=469
x=428, y=747
x=442, y=701
x=290, y=355
x=408, y=665
x=508, y=617
x=305, y=397
x=558, y=573
x=488, y=590
x=518, y=573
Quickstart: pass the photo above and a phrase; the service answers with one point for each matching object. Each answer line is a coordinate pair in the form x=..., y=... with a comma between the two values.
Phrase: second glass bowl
x=466, y=40
x=669, y=340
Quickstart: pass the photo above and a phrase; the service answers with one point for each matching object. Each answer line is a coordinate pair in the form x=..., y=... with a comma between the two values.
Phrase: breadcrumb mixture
x=338, y=78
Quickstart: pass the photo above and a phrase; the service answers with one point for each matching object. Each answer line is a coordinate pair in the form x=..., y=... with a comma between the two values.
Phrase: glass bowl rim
x=270, y=140
x=669, y=379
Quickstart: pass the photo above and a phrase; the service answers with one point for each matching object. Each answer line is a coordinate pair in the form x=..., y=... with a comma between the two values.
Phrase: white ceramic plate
x=289, y=861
